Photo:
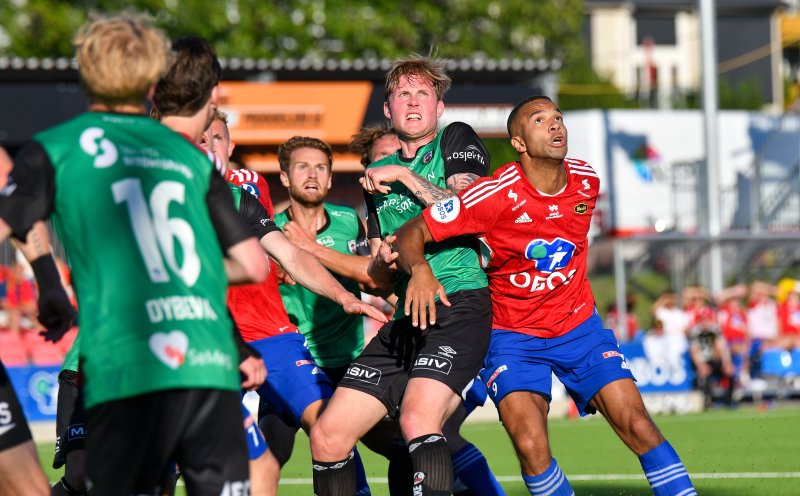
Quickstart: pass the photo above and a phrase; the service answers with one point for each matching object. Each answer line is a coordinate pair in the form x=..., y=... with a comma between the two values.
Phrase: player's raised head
x=120, y=58
x=516, y=116
x=375, y=141
x=421, y=68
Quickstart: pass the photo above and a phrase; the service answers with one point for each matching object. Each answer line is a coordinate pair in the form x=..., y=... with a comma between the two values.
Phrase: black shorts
x=131, y=442
x=70, y=428
x=13, y=425
x=450, y=352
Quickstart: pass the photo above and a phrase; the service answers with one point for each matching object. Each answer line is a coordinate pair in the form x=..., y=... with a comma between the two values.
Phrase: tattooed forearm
x=457, y=182
x=36, y=243
x=427, y=192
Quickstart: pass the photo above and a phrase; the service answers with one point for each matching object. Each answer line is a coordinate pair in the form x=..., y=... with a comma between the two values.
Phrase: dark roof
x=721, y=5
x=476, y=69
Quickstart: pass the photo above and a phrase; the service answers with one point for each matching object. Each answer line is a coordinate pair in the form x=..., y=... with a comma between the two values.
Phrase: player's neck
x=547, y=176
x=409, y=146
x=192, y=126
x=308, y=216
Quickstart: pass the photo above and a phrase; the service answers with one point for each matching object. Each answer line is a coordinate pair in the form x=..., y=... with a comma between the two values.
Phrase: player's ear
x=386, y=112
x=519, y=144
x=284, y=179
x=439, y=109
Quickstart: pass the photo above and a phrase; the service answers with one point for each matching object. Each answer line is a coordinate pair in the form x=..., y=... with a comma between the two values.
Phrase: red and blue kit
x=536, y=245
x=257, y=308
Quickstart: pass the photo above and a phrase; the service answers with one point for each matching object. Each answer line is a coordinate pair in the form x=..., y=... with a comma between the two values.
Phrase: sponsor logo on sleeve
x=446, y=210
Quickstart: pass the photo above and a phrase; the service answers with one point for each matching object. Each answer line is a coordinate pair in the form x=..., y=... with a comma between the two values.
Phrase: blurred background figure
x=711, y=358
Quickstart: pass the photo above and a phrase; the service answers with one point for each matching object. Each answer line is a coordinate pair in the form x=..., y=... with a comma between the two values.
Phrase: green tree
x=344, y=29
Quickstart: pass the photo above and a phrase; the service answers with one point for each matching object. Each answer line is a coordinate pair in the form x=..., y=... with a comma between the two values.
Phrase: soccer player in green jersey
x=150, y=248
x=430, y=365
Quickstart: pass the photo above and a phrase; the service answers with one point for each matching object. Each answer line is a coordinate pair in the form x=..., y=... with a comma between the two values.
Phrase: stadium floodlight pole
x=708, y=30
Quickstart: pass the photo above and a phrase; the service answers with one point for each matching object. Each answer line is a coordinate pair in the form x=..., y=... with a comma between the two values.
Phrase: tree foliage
x=344, y=29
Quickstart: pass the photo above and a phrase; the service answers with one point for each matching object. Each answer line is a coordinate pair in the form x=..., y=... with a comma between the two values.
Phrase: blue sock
x=362, y=488
x=552, y=482
x=470, y=467
x=665, y=472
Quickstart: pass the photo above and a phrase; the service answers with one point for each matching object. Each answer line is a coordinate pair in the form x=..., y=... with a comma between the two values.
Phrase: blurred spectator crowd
x=20, y=342
x=743, y=343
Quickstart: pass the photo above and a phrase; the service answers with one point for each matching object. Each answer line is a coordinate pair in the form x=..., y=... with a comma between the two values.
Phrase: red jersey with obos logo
x=537, y=245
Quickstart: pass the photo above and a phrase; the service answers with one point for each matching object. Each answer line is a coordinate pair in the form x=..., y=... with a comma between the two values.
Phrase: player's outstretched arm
x=423, y=287
x=311, y=274
x=350, y=266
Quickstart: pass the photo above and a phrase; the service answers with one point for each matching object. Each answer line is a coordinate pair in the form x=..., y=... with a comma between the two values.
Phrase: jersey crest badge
x=581, y=208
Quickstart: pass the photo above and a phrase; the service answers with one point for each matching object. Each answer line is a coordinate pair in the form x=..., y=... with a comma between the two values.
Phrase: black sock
x=62, y=488
x=433, y=468
x=401, y=472
x=335, y=478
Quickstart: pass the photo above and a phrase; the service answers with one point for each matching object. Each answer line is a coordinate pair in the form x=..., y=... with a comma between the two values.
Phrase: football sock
x=362, y=488
x=62, y=488
x=433, y=470
x=470, y=466
x=335, y=478
x=401, y=473
x=552, y=482
x=665, y=472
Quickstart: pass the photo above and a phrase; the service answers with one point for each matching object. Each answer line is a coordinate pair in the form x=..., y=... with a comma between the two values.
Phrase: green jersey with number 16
x=129, y=203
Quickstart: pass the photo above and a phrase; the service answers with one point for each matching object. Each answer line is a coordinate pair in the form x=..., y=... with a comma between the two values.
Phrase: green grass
x=716, y=442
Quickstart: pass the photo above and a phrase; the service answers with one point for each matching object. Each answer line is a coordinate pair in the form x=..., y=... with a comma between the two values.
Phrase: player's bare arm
x=311, y=274
x=382, y=268
x=423, y=287
x=245, y=263
x=458, y=182
x=350, y=266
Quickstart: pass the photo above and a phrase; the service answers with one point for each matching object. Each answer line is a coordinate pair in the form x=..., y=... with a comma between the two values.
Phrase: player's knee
x=328, y=444
x=642, y=432
x=415, y=423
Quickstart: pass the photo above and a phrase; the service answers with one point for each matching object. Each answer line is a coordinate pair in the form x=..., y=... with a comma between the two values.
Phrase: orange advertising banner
x=271, y=113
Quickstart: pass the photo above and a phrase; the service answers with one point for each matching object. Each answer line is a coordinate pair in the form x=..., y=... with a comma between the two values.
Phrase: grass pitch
x=727, y=453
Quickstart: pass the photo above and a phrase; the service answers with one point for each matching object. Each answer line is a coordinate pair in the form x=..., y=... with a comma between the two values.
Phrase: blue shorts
x=256, y=444
x=294, y=381
x=585, y=359
x=475, y=396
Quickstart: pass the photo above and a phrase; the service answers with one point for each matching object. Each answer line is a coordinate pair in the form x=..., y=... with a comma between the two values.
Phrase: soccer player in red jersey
x=534, y=215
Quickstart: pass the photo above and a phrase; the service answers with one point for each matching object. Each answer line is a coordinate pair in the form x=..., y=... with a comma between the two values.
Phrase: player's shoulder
x=491, y=189
x=581, y=172
x=579, y=167
x=241, y=176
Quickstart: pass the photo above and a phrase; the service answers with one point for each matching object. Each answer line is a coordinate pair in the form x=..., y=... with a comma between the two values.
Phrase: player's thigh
x=381, y=370
x=294, y=381
x=212, y=452
x=347, y=417
x=452, y=350
x=20, y=472
x=516, y=362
